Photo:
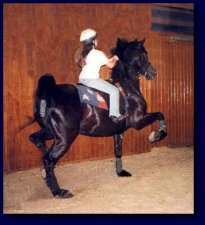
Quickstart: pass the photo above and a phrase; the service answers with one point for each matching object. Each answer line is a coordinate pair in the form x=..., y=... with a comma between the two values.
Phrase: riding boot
x=118, y=118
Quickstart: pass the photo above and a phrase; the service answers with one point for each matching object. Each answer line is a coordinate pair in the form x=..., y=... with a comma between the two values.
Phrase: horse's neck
x=121, y=74
x=130, y=87
x=134, y=84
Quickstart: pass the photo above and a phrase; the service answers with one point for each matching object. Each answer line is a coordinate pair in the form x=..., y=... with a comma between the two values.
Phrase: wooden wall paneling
x=189, y=95
x=182, y=85
x=172, y=114
x=174, y=89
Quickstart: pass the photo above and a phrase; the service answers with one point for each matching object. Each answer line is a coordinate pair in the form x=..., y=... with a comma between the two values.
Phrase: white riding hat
x=87, y=36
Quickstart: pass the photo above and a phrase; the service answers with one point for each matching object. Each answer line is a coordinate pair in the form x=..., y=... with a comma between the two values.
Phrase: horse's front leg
x=118, y=157
x=150, y=118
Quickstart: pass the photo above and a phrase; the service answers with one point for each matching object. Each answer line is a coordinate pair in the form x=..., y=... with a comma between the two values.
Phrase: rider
x=90, y=60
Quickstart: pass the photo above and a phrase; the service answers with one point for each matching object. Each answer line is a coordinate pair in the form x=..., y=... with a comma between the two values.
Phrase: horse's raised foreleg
x=150, y=118
x=118, y=157
x=39, y=139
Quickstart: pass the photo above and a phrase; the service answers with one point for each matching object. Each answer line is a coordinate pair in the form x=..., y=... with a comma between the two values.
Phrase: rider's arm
x=112, y=61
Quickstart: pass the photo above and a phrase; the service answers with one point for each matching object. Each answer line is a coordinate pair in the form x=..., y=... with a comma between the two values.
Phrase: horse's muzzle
x=150, y=73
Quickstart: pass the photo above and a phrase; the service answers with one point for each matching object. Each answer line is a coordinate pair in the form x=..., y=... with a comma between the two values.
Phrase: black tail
x=45, y=91
x=46, y=84
x=27, y=123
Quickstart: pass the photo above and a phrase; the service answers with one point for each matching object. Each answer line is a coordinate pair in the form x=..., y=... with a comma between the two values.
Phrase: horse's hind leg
x=118, y=157
x=39, y=139
x=64, y=134
x=59, y=148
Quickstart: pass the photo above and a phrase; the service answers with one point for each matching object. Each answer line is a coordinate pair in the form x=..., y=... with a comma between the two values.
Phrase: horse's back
x=66, y=94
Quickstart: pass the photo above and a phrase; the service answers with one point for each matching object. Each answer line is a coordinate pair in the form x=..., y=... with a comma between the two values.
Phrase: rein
x=130, y=68
x=139, y=74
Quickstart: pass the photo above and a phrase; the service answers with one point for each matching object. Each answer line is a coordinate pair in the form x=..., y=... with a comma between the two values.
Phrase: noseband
x=139, y=73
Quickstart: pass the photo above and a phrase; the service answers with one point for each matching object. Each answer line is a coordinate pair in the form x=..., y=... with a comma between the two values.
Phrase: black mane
x=121, y=45
x=126, y=50
x=123, y=48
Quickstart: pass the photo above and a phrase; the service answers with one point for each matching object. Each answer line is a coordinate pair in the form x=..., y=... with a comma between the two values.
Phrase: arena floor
x=161, y=182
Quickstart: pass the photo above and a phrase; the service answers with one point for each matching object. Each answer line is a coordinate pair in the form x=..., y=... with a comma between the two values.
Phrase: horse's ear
x=141, y=43
x=143, y=40
x=119, y=42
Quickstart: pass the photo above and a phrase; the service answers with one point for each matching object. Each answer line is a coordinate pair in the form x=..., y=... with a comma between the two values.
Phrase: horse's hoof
x=124, y=173
x=163, y=134
x=61, y=193
x=157, y=135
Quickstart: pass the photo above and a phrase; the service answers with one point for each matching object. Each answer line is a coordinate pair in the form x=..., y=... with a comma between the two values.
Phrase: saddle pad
x=91, y=97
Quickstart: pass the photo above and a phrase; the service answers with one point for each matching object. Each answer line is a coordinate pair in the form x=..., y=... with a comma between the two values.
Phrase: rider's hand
x=116, y=57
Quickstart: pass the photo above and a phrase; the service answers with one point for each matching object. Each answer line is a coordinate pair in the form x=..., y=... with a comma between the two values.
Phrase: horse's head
x=134, y=58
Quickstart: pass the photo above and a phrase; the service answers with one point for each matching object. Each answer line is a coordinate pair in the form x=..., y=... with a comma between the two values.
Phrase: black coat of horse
x=64, y=117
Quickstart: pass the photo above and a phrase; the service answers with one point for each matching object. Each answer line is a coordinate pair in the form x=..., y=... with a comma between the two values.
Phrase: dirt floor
x=161, y=182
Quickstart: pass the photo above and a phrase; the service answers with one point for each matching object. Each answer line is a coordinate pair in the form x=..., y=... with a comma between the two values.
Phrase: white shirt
x=94, y=60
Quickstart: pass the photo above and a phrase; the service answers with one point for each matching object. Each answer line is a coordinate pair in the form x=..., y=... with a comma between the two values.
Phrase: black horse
x=62, y=116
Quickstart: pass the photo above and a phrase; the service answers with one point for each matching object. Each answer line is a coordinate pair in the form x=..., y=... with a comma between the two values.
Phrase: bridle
x=139, y=73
